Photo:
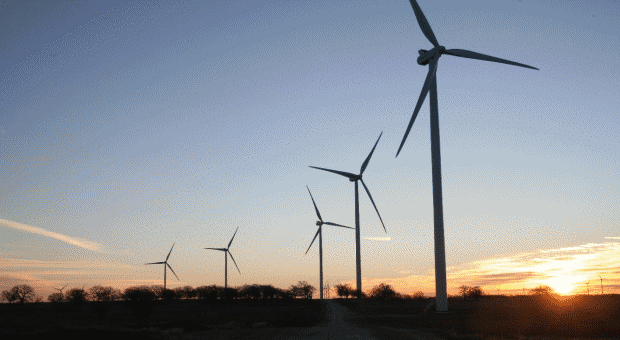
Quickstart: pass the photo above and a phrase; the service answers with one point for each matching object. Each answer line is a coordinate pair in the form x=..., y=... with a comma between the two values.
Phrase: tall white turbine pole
x=321, y=259
x=164, y=278
x=358, y=255
x=441, y=298
x=225, y=270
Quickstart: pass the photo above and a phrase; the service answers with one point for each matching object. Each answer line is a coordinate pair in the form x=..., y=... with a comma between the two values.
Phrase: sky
x=130, y=126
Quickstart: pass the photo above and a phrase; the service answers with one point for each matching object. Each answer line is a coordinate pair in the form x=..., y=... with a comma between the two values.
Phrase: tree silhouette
x=20, y=293
x=382, y=291
x=470, y=292
x=56, y=298
x=76, y=295
x=302, y=289
x=100, y=293
x=343, y=290
x=541, y=290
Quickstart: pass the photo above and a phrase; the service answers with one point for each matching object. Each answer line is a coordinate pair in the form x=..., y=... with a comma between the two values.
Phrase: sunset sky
x=127, y=126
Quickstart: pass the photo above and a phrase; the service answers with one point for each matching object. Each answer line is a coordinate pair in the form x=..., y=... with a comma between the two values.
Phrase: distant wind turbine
x=356, y=178
x=319, y=233
x=165, y=263
x=226, y=253
x=431, y=58
x=599, y=276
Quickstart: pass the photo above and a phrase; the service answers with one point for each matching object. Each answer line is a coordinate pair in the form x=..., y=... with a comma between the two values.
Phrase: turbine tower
x=226, y=253
x=165, y=263
x=356, y=178
x=319, y=233
x=431, y=58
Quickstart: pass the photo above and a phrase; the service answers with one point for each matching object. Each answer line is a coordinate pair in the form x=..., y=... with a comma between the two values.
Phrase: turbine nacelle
x=319, y=223
x=355, y=178
x=426, y=56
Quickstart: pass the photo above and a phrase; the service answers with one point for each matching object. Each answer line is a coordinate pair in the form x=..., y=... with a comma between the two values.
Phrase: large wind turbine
x=165, y=263
x=319, y=233
x=356, y=178
x=431, y=58
x=226, y=253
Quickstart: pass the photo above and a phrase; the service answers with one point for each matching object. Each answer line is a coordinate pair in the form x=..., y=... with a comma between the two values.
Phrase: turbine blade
x=175, y=274
x=424, y=25
x=229, y=243
x=221, y=249
x=373, y=204
x=235, y=262
x=338, y=225
x=479, y=56
x=370, y=155
x=154, y=263
x=315, y=208
x=315, y=235
x=169, y=252
x=341, y=173
x=427, y=85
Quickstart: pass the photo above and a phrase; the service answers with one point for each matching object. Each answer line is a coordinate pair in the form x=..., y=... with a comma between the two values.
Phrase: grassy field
x=499, y=316
x=124, y=318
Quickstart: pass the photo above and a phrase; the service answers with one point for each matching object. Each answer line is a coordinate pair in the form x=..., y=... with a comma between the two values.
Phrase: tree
x=56, y=298
x=141, y=293
x=470, y=292
x=541, y=290
x=418, y=295
x=76, y=295
x=186, y=292
x=208, y=292
x=343, y=290
x=383, y=291
x=100, y=293
x=302, y=289
x=8, y=296
x=20, y=293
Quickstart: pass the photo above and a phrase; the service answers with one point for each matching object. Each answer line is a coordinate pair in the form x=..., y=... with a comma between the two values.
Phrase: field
x=127, y=320
x=489, y=317
x=498, y=316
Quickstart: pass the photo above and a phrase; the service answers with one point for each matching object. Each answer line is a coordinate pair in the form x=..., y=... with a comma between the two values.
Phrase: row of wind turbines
x=426, y=57
x=431, y=58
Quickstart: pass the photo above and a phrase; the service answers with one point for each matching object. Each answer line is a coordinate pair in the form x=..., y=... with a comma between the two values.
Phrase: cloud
x=78, y=242
x=613, y=238
x=384, y=239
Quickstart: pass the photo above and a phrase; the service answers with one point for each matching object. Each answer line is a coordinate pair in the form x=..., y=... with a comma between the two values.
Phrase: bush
x=141, y=293
x=470, y=292
x=208, y=292
x=186, y=292
x=383, y=292
x=56, y=298
x=76, y=295
x=100, y=293
x=343, y=290
x=302, y=289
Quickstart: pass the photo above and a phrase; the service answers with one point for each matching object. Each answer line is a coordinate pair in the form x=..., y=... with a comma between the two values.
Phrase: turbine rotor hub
x=426, y=56
x=356, y=178
x=319, y=223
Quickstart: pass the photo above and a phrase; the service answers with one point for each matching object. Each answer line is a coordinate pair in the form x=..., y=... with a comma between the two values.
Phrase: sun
x=564, y=284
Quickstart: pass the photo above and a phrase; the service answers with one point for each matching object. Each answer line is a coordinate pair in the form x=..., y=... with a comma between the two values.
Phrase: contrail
x=385, y=239
x=78, y=242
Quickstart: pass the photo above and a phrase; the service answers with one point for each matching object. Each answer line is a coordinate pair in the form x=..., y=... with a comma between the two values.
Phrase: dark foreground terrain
x=489, y=317
x=498, y=317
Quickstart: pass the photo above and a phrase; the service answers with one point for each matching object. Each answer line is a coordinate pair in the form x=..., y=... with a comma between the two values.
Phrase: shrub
x=343, y=290
x=383, y=291
x=470, y=292
x=56, y=298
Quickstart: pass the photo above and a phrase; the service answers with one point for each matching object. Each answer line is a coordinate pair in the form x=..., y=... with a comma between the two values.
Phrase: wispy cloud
x=612, y=238
x=384, y=239
x=78, y=242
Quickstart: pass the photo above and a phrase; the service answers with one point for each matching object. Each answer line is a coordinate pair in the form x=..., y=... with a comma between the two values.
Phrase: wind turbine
x=319, y=233
x=226, y=253
x=599, y=276
x=165, y=263
x=356, y=178
x=431, y=58
x=60, y=290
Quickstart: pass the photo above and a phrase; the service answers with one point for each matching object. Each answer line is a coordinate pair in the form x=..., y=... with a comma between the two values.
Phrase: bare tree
x=541, y=290
x=302, y=289
x=101, y=293
x=22, y=293
x=56, y=298
x=8, y=296
x=343, y=290
x=76, y=295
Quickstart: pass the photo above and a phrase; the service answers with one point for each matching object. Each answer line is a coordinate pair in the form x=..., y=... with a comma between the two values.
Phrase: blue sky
x=127, y=126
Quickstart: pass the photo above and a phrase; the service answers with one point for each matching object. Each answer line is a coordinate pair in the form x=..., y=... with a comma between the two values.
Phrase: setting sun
x=564, y=284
